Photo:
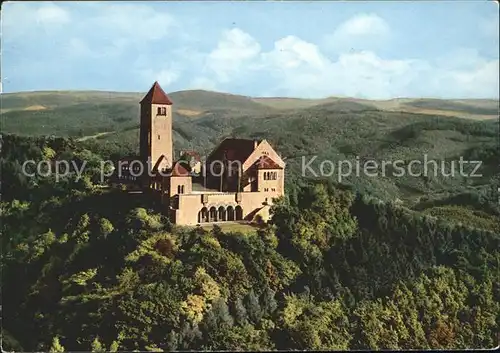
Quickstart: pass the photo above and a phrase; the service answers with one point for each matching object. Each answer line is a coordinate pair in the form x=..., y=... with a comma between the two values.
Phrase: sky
x=374, y=50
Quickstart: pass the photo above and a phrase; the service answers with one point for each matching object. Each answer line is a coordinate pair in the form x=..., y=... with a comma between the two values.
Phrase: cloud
x=362, y=25
x=29, y=20
x=294, y=67
x=291, y=52
x=98, y=26
x=51, y=13
x=361, y=32
x=360, y=74
x=129, y=45
x=234, y=50
x=165, y=76
x=131, y=21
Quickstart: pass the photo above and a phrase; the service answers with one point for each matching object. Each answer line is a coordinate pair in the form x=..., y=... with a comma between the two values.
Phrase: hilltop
x=199, y=101
x=86, y=114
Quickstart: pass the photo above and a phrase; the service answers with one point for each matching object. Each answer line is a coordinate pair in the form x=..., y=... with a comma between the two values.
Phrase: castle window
x=158, y=111
x=158, y=137
x=163, y=111
x=266, y=189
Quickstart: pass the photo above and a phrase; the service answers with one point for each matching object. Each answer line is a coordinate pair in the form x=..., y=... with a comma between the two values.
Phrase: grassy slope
x=479, y=109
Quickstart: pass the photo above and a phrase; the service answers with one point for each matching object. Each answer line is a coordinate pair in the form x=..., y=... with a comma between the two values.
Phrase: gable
x=264, y=162
x=264, y=149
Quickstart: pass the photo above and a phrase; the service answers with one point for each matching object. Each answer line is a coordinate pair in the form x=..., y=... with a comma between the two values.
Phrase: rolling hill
x=479, y=109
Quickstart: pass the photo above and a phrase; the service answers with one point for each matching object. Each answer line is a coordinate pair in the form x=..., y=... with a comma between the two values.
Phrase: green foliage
x=335, y=270
x=97, y=346
x=56, y=347
x=317, y=326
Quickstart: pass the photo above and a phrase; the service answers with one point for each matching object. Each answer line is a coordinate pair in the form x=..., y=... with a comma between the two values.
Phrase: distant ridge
x=193, y=103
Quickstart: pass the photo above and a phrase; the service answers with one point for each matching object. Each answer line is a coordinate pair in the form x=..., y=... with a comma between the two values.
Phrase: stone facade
x=237, y=182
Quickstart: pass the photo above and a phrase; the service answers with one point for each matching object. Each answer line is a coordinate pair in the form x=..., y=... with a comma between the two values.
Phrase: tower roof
x=156, y=95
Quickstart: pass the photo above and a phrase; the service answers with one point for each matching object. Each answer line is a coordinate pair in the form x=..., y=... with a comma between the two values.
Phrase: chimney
x=255, y=143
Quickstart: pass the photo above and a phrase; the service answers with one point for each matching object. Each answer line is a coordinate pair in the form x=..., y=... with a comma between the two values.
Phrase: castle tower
x=156, y=129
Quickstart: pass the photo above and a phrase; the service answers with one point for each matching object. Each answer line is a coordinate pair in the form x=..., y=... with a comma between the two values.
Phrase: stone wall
x=193, y=208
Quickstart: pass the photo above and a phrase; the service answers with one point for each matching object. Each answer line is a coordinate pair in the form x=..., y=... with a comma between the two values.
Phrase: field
x=232, y=227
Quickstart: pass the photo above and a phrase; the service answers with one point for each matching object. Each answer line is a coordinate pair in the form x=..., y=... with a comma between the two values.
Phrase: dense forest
x=88, y=268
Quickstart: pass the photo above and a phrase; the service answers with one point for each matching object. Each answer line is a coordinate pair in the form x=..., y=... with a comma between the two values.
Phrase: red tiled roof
x=233, y=149
x=179, y=171
x=156, y=95
x=264, y=162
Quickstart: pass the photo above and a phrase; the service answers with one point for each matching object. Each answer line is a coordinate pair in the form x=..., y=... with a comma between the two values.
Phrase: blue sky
x=374, y=50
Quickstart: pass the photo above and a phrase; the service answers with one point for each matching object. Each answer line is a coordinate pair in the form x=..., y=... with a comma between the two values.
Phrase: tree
x=56, y=347
x=240, y=313
x=221, y=312
x=172, y=341
x=114, y=346
x=269, y=303
x=97, y=346
x=105, y=227
x=253, y=307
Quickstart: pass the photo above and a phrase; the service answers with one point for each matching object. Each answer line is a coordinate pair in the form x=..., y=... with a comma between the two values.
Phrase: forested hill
x=86, y=268
x=365, y=263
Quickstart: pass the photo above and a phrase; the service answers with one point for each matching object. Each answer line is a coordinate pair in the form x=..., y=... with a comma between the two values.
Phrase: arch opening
x=238, y=213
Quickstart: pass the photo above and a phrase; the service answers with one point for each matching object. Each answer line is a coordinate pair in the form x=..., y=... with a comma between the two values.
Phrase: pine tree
x=221, y=312
x=114, y=346
x=56, y=346
x=269, y=304
x=240, y=313
x=253, y=307
x=188, y=336
x=97, y=346
x=209, y=322
x=172, y=341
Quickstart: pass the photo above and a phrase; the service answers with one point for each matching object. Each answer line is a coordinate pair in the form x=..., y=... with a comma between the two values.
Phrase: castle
x=237, y=181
